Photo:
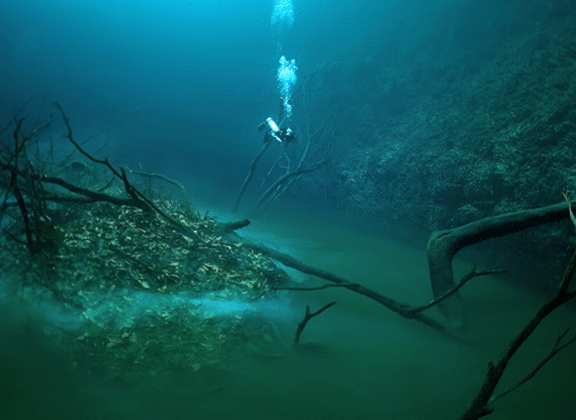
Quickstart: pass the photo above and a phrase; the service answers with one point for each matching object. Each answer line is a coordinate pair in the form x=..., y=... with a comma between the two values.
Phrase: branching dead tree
x=307, y=317
x=32, y=190
x=251, y=172
x=443, y=246
x=315, y=140
x=311, y=159
x=480, y=406
x=33, y=212
x=28, y=186
x=403, y=309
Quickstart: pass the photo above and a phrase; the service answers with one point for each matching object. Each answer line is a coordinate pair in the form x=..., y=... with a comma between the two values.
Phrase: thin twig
x=465, y=279
x=555, y=350
x=307, y=318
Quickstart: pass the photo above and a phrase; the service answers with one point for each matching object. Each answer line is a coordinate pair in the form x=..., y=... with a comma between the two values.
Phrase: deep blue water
x=195, y=77
x=180, y=87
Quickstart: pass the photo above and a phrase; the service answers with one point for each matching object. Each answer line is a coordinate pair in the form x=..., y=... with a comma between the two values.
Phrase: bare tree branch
x=400, y=308
x=465, y=279
x=555, y=350
x=443, y=246
x=307, y=317
x=480, y=406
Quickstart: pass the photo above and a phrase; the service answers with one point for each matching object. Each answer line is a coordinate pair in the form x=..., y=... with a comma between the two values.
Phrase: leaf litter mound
x=153, y=299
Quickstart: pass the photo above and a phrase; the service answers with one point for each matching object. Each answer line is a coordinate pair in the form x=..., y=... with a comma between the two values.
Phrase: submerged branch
x=473, y=273
x=307, y=317
x=443, y=246
x=401, y=309
x=480, y=406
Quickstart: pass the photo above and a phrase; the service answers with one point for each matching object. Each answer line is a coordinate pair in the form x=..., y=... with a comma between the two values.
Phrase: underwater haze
x=358, y=360
x=196, y=77
x=147, y=305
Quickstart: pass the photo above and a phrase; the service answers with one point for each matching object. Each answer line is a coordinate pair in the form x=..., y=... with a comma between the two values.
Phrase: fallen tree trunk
x=443, y=246
x=403, y=309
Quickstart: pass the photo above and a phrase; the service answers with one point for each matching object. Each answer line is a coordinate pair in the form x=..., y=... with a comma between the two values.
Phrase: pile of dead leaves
x=107, y=258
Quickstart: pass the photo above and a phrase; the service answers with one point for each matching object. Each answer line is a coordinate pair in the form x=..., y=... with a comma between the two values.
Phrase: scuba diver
x=274, y=132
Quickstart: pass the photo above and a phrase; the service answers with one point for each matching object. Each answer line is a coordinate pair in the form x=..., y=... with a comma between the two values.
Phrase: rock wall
x=476, y=117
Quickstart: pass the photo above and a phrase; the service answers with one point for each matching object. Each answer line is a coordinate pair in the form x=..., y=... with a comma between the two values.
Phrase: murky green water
x=358, y=361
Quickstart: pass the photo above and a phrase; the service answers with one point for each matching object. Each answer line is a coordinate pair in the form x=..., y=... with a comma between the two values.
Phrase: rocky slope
x=477, y=117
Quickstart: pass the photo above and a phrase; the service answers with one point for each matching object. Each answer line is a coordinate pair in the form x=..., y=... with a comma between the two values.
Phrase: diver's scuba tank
x=274, y=130
x=279, y=134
